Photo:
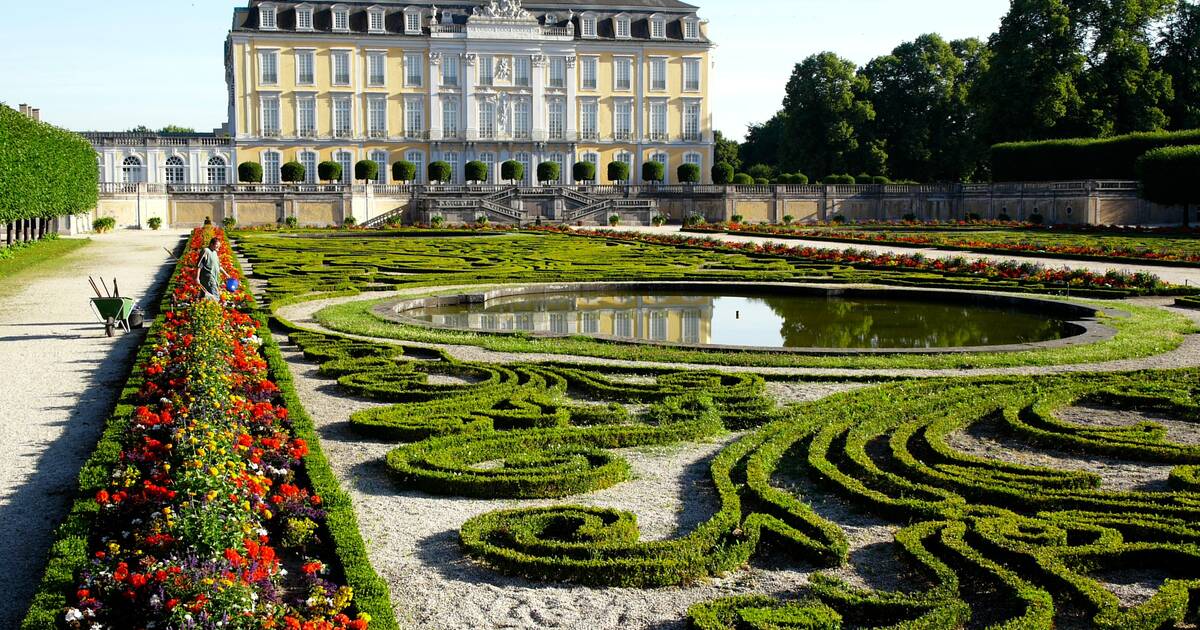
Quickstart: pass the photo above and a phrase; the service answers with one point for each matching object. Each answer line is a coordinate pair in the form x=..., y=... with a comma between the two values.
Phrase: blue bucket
x=232, y=285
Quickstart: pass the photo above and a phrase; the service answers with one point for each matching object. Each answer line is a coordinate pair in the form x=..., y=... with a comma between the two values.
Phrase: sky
x=114, y=65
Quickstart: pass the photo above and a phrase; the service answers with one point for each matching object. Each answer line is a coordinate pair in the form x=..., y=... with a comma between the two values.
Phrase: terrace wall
x=1096, y=202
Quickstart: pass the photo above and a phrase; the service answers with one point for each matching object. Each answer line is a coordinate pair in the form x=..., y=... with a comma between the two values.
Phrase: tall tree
x=1179, y=58
x=1029, y=88
x=727, y=151
x=765, y=142
x=919, y=96
x=1120, y=89
x=827, y=114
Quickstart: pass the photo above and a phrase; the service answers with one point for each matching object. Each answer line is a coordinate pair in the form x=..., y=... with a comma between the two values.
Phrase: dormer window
x=691, y=28
x=375, y=23
x=658, y=27
x=304, y=18
x=341, y=18
x=412, y=21
x=266, y=17
x=621, y=26
x=587, y=25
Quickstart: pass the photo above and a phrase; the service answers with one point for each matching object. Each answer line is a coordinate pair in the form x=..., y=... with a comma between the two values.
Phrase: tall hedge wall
x=1080, y=158
x=44, y=171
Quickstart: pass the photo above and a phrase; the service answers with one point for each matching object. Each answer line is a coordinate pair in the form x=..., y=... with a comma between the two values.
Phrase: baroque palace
x=415, y=80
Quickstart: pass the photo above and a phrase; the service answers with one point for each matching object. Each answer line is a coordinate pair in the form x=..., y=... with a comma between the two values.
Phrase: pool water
x=776, y=320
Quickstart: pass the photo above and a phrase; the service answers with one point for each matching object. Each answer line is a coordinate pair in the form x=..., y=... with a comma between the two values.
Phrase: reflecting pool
x=778, y=320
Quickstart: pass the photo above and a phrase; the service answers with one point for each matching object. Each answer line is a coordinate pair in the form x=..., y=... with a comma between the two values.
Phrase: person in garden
x=209, y=271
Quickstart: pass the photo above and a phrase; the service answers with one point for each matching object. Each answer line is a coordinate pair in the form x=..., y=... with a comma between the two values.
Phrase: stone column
x=540, y=123
x=434, y=118
x=470, y=109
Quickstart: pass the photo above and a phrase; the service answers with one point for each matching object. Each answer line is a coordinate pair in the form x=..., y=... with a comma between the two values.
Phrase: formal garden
x=296, y=456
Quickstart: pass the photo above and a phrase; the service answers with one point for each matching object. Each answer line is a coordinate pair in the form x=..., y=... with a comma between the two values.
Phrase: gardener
x=209, y=271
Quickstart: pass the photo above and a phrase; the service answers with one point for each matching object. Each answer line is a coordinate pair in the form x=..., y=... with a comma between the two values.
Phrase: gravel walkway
x=1186, y=355
x=413, y=537
x=1173, y=275
x=60, y=378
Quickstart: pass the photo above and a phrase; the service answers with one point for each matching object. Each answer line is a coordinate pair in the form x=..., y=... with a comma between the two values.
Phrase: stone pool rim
x=1082, y=321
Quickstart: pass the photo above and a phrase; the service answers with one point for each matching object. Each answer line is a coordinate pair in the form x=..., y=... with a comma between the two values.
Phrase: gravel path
x=1186, y=355
x=1173, y=275
x=413, y=537
x=60, y=378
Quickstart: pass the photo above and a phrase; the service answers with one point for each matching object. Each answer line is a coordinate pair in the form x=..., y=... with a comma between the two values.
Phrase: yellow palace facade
x=490, y=81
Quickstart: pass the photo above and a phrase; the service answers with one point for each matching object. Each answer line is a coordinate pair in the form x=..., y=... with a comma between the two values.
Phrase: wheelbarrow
x=114, y=312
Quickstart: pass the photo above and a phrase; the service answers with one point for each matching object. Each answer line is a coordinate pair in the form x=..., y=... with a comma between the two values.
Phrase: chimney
x=35, y=114
x=24, y=109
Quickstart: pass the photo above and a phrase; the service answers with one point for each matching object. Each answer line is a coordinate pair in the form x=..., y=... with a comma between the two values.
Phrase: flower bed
x=1056, y=243
x=201, y=513
x=1032, y=276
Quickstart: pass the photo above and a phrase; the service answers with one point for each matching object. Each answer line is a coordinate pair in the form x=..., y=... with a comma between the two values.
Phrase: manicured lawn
x=34, y=256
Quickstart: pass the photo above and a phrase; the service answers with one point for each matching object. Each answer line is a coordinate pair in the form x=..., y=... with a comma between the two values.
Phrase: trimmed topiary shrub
x=229, y=223
x=654, y=172
x=349, y=221
x=366, y=170
x=512, y=171
x=1169, y=176
x=788, y=219
x=250, y=173
x=618, y=171
x=292, y=172
x=47, y=171
x=658, y=220
x=880, y=180
x=762, y=181
x=689, y=173
x=329, y=171
x=549, y=172
x=1036, y=219
x=738, y=219
x=1003, y=216
x=838, y=219
x=614, y=219
x=291, y=222
x=440, y=172
x=476, y=171
x=1081, y=158
x=584, y=171
x=722, y=174
x=404, y=171
x=742, y=179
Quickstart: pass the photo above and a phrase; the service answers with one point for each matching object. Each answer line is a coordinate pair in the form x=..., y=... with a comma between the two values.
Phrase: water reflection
x=801, y=321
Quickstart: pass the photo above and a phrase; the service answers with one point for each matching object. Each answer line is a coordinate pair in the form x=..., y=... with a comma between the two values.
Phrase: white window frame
x=487, y=70
x=382, y=177
x=488, y=158
x=346, y=160
x=268, y=17
x=589, y=119
x=418, y=160
x=453, y=159
x=622, y=26
x=376, y=57
x=665, y=161
x=587, y=26
x=522, y=71
x=589, y=72
x=304, y=17
x=414, y=117
x=526, y=160
x=691, y=29
x=309, y=160
x=268, y=58
x=264, y=129
x=450, y=117
x=623, y=113
x=348, y=131
x=175, y=170
x=625, y=63
x=311, y=101
x=133, y=170
x=556, y=119
x=377, y=116
x=658, y=26
x=658, y=115
x=558, y=72
x=334, y=55
x=658, y=74
x=697, y=64
x=414, y=69
x=451, y=70
x=311, y=55
x=688, y=105
x=412, y=21
x=272, y=175
x=217, y=170
x=376, y=20
x=522, y=119
x=487, y=119
x=340, y=12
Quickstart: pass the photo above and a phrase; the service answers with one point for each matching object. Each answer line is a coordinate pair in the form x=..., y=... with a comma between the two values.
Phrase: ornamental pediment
x=502, y=19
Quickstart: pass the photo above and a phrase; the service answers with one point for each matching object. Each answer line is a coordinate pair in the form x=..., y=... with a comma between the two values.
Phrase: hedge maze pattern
x=990, y=543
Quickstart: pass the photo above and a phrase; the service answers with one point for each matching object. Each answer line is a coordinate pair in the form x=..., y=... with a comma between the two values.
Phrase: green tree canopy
x=1179, y=59
x=827, y=115
x=727, y=150
x=47, y=171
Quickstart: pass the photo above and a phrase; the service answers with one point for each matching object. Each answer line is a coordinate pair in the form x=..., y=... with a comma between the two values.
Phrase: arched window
x=216, y=170
x=175, y=172
x=271, y=167
x=418, y=160
x=132, y=170
x=344, y=159
x=381, y=158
